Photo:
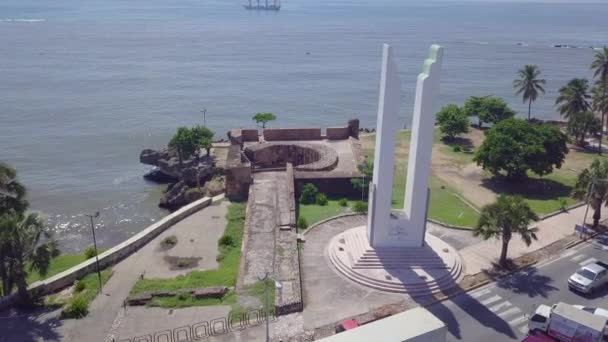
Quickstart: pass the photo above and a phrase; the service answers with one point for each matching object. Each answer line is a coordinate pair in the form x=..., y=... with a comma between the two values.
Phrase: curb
x=449, y=226
x=316, y=224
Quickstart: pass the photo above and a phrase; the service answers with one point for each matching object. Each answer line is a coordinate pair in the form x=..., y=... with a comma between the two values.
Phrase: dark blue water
x=86, y=84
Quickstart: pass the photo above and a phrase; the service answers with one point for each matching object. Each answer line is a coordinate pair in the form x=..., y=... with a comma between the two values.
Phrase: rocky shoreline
x=194, y=178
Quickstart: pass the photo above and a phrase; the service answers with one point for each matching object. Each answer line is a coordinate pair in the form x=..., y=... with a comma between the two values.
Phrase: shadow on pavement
x=528, y=282
x=29, y=325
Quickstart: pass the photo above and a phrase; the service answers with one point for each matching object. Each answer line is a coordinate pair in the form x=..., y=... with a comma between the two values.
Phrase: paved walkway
x=481, y=255
x=197, y=237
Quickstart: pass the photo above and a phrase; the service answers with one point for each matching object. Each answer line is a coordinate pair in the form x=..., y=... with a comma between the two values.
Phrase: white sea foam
x=21, y=20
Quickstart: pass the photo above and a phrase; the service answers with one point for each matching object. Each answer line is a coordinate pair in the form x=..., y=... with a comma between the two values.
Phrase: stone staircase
x=416, y=271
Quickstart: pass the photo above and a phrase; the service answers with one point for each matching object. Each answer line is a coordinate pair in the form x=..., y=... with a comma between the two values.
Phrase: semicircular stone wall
x=303, y=156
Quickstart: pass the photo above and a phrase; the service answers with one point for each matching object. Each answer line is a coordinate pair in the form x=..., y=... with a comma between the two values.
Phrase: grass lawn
x=58, y=265
x=315, y=213
x=229, y=258
x=444, y=205
x=90, y=290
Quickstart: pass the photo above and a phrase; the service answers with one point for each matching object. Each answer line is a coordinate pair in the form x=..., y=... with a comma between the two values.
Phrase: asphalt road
x=498, y=312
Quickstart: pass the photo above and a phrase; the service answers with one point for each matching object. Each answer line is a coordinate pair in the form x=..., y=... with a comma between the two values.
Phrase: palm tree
x=507, y=216
x=25, y=240
x=529, y=85
x=12, y=193
x=600, y=67
x=592, y=185
x=573, y=98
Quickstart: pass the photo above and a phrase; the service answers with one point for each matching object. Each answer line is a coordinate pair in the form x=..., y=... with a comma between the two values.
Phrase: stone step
x=443, y=283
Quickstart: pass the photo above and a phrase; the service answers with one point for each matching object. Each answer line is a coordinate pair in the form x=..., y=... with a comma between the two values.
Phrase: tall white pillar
x=407, y=227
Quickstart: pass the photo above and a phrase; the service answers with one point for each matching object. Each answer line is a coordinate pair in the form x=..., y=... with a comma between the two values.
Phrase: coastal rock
x=175, y=196
x=156, y=175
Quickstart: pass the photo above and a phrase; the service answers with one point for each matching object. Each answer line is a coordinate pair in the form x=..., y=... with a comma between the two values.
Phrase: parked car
x=589, y=277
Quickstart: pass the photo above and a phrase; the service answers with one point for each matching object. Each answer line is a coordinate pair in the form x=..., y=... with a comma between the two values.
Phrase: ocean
x=86, y=85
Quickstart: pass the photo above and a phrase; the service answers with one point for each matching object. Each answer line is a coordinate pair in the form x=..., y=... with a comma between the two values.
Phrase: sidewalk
x=481, y=255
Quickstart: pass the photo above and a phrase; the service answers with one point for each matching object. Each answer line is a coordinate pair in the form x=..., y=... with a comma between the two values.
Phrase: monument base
x=413, y=270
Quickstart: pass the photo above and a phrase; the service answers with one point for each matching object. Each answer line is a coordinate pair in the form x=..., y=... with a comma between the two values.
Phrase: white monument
x=393, y=252
x=405, y=227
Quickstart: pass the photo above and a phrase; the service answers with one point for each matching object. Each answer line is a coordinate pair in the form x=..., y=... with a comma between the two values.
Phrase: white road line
x=568, y=253
x=491, y=300
x=500, y=306
x=480, y=293
x=517, y=320
x=509, y=312
x=578, y=257
x=588, y=261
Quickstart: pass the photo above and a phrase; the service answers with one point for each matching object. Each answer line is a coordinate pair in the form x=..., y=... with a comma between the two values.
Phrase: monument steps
x=413, y=287
x=417, y=271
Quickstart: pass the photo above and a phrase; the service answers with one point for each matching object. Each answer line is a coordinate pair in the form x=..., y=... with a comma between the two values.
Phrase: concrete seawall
x=114, y=254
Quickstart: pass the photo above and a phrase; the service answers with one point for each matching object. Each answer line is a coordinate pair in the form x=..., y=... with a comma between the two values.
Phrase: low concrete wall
x=338, y=133
x=278, y=134
x=116, y=253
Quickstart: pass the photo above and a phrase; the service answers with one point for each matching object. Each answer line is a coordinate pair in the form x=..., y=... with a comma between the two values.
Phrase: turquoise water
x=85, y=85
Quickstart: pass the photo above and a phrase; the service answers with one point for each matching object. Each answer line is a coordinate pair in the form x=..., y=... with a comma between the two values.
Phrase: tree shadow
x=465, y=143
x=529, y=282
x=30, y=325
x=530, y=188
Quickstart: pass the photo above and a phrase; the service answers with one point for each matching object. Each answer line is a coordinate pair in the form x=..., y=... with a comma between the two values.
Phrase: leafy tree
x=495, y=110
x=184, y=142
x=206, y=143
x=600, y=68
x=362, y=184
x=599, y=97
x=264, y=118
x=515, y=146
x=188, y=140
x=488, y=109
x=507, y=216
x=591, y=184
x=12, y=192
x=452, y=120
x=473, y=106
x=529, y=85
x=573, y=97
x=581, y=124
x=25, y=239
x=309, y=194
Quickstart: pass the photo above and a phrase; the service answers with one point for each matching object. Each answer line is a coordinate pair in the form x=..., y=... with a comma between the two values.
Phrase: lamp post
x=204, y=111
x=267, y=293
x=95, y=246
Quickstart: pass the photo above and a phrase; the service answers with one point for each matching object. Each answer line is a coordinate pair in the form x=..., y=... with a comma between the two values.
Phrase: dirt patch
x=180, y=263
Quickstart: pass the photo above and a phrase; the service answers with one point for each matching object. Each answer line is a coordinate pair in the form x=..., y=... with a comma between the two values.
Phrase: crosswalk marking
x=500, y=306
x=588, y=261
x=578, y=257
x=480, y=293
x=517, y=320
x=491, y=300
x=568, y=253
x=509, y=312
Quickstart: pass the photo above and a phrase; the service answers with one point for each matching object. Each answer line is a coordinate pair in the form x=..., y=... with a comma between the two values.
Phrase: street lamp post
x=267, y=293
x=95, y=247
x=204, y=111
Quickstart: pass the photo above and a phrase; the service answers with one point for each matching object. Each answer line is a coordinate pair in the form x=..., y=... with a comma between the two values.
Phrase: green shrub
x=302, y=223
x=321, y=199
x=457, y=148
x=90, y=252
x=360, y=207
x=79, y=286
x=343, y=202
x=77, y=307
x=169, y=241
x=183, y=295
x=227, y=241
x=309, y=194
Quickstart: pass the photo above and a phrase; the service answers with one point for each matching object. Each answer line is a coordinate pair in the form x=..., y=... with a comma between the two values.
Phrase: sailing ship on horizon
x=275, y=6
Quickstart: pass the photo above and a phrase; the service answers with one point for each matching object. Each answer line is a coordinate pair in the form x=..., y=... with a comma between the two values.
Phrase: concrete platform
x=433, y=268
